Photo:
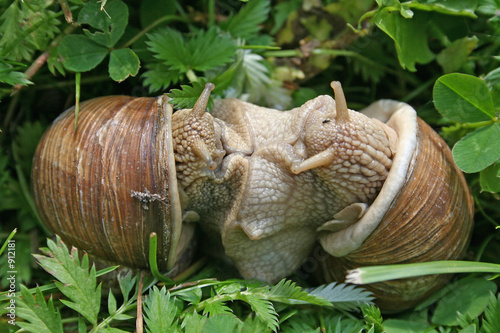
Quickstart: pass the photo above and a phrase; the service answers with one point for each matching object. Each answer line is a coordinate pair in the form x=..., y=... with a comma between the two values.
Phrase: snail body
x=263, y=184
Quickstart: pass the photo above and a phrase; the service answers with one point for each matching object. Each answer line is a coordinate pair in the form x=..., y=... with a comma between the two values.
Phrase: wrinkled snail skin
x=267, y=186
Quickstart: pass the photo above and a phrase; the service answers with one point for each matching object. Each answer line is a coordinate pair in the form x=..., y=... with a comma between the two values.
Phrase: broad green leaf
x=160, y=311
x=489, y=178
x=462, y=7
x=247, y=22
x=39, y=316
x=409, y=35
x=80, y=54
x=463, y=98
x=471, y=298
x=110, y=22
x=122, y=64
x=479, y=149
x=455, y=55
x=76, y=282
x=406, y=326
x=222, y=323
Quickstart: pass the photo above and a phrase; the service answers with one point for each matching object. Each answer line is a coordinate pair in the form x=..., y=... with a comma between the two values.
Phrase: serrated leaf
x=343, y=296
x=160, y=312
x=110, y=22
x=472, y=298
x=159, y=77
x=122, y=64
x=10, y=75
x=246, y=23
x=409, y=37
x=215, y=308
x=39, y=316
x=463, y=98
x=194, y=323
x=373, y=318
x=491, y=322
x=264, y=309
x=76, y=282
x=206, y=50
x=222, y=323
x=478, y=150
x=287, y=292
x=80, y=54
x=489, y=178
x=187, y=97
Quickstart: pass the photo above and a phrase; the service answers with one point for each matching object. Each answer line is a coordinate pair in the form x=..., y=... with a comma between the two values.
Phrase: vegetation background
x=442, y=57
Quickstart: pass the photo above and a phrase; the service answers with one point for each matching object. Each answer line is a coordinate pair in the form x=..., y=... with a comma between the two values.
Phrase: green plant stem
x=78, y=76
x=127, y=306
x=191, y=75
x=211, y=12
x=479, y=206
x=163, y=19
x=153, y=264
x=7, y=240
x=366, y=275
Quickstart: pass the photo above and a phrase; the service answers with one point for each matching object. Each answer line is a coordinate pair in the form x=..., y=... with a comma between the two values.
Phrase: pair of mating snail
x=266, y=186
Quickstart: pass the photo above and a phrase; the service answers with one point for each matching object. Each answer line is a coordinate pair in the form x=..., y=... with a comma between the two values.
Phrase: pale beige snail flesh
x=263, y=184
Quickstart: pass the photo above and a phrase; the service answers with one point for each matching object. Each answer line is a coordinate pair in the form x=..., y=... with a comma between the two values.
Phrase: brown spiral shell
x=430, y=219
x=105, y=185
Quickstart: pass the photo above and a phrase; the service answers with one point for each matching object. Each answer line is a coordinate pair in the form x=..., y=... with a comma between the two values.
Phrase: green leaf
x=343, y=296
x=206, y=50
x=80, y=54
x=222, y=323
x=109, y=22
x=373, y=318
x=39, y=316
x=10, y=75
x=194, y=323
x=489, y=178
x=187, y=97
x=159, y=77
x=264, y=309
x=478, y=150
x=247, y=22
x=112, y=306
x=491, y=322
x=471, y=298
x=409, y=37
x=455, y=55
x=287, y=292
x=126, y=283
x=160, y=312
x=463, y=98
x=122, y=64
x=76, y=282
x=462, y=7
x=406, y=326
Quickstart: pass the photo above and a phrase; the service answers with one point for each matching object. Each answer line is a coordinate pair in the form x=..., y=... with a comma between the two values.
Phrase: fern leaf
x=491, y=321
x=264, y=309
x=343, y=296
x=287, y=292
x=40, y=317
x=160, y=312
x=75, y=280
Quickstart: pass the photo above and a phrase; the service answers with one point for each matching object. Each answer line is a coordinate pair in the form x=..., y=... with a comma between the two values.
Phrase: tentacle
x=201, y=104
x=340, y=102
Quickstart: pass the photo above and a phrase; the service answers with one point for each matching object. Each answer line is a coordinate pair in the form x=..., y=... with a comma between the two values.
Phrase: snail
x=263, y=185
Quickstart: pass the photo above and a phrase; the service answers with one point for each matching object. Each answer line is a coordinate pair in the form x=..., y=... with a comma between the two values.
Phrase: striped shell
x=106, y=185
x=430, y=218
